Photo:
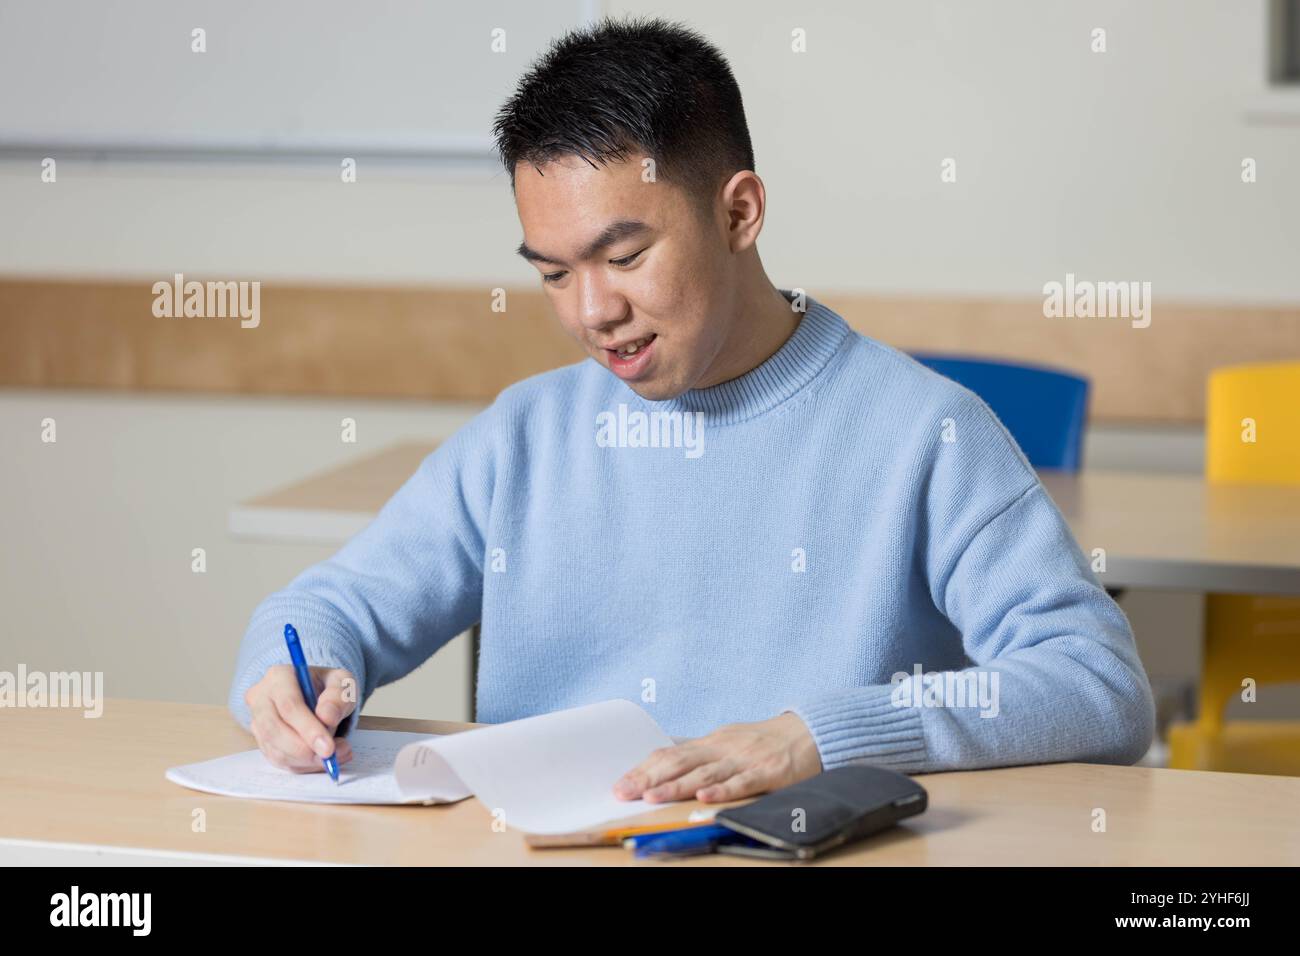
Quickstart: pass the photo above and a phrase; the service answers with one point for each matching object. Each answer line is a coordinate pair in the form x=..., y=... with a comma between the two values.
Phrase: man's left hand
x=735, y=761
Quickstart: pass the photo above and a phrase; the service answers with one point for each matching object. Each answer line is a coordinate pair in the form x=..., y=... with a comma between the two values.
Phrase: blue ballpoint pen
x=680, y=842
x=308, y=691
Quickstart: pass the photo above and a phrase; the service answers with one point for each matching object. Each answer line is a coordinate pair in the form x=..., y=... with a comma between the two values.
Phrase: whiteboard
x=353, y=77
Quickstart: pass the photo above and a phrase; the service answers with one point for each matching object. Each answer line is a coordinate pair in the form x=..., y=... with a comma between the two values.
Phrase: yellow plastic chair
x=1245, y=635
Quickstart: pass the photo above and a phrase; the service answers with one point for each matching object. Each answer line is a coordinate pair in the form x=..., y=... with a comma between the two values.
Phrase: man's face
x=624, y=261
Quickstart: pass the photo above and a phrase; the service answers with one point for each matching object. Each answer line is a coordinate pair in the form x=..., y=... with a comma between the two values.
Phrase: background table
x=1161, y=531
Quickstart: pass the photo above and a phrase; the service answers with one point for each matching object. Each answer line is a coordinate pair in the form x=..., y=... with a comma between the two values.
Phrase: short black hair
x=619, y=87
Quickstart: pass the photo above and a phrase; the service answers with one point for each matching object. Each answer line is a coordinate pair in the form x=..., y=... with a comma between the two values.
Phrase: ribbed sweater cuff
x=864, y=725
x=324, y=644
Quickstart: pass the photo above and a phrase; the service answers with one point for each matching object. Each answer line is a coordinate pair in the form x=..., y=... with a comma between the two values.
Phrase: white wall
x=291, y=74
x=99, y=526
x=1117, y=165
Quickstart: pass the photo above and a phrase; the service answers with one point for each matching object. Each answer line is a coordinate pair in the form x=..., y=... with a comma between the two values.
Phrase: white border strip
x=19, y=852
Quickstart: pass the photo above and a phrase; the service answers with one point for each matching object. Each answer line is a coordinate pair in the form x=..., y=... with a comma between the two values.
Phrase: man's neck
x=765, y=323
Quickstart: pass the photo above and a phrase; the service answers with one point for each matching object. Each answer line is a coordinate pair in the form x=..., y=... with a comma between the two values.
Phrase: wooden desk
x=68, y=780
x=1159, y=531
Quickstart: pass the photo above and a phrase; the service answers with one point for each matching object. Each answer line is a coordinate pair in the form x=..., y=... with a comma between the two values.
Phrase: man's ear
x=745, y=201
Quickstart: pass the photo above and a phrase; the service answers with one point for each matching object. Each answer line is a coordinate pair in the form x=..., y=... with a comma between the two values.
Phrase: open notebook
x=549, y=774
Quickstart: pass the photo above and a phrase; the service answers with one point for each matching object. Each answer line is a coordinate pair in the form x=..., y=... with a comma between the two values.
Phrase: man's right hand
x=288, y=733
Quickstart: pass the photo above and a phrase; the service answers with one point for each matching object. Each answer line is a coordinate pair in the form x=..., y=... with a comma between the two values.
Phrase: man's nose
x=599, y=307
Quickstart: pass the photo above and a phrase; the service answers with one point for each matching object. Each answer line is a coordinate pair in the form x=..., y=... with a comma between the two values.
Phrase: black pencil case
x=833, y=808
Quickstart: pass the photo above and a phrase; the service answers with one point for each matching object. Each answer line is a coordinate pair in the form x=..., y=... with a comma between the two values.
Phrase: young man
x=784, y=540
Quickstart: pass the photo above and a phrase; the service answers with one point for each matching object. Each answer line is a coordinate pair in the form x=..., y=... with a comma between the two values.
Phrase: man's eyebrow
x=614, y=232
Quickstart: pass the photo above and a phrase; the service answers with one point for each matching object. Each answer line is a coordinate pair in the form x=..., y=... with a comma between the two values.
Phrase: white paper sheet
x=549, y=774
x=366, y=778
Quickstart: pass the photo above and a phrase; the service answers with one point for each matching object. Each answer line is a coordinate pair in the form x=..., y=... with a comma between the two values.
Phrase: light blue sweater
x=828, y=534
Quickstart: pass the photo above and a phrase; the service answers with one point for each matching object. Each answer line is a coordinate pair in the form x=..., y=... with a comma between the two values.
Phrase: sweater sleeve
x=397, y=591
x=1055, y=675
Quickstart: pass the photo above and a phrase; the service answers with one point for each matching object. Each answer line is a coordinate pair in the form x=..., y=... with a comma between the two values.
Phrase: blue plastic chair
x=1045, y=409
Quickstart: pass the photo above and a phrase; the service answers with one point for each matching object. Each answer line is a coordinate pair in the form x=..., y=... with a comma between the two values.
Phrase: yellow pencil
x=542, y=841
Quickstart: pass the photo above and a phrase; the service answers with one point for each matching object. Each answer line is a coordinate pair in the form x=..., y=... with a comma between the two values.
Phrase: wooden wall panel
x=1156, y=374
x=381, y=342
x=447, y=343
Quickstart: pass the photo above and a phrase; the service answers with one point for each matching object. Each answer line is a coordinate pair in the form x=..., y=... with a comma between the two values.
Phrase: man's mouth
x=628, y=349
x=629, y=360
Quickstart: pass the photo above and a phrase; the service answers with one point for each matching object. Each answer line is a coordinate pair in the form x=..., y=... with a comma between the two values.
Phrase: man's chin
x=655, y=391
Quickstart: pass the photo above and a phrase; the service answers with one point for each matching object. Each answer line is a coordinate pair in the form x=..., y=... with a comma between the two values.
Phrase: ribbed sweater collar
x=785, y=373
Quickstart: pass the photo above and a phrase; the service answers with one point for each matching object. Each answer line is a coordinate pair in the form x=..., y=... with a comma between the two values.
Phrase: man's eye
x=553, y=276
x=627, y=260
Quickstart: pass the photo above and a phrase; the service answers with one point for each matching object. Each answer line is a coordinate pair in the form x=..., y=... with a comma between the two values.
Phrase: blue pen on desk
x=679, y=842
x=308, y=691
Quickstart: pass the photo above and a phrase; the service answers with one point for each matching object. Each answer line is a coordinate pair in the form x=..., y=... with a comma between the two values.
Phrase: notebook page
x=366, y=778
x=554, y=773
